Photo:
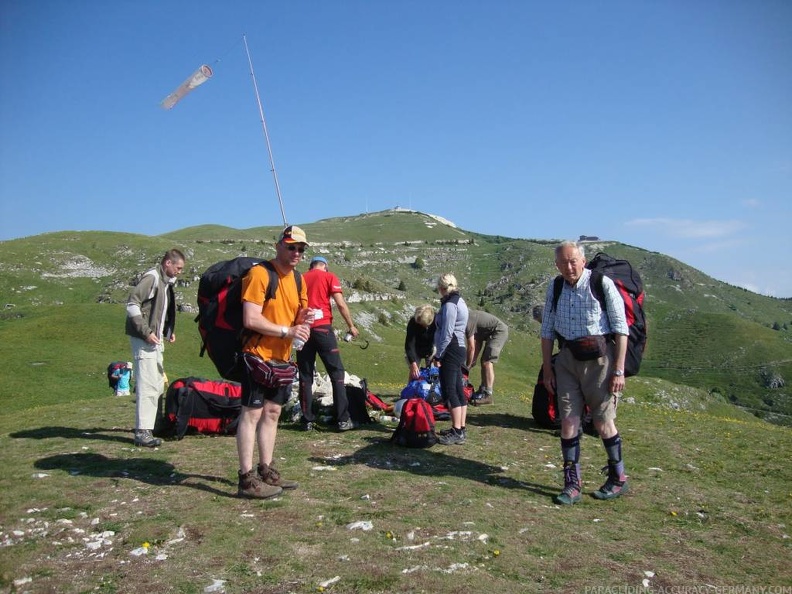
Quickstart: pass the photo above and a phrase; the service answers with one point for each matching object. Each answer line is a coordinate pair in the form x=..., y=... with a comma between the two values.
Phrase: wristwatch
x=284, y=331
x=618, y=372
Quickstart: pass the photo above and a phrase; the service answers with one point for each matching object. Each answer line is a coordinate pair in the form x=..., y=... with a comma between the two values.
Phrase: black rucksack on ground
x=220, y=310
x=630, y=286
x=544, y=407
x=199, y=405
x=416, y=427
x=359, y=402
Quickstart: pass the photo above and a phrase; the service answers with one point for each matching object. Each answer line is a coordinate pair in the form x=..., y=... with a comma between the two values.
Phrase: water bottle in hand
x=299, y=343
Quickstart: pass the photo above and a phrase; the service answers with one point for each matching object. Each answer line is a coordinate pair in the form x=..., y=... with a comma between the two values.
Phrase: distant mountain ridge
x=702, y=332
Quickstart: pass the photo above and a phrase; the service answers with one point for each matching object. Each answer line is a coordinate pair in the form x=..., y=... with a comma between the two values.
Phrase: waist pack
x=270, y=374
x=588, y=348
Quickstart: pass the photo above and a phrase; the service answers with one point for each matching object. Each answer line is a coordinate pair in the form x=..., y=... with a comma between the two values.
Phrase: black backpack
x=361, y=399
x=220, y=310
x=630, y=286
x=544, y=407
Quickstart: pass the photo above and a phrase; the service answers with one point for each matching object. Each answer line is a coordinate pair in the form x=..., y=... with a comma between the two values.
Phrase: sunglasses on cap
x=292, y=247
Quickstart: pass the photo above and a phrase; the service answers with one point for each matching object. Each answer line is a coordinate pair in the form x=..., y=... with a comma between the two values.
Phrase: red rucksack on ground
x=416, y=427
x=199, y=405
x=220, y=310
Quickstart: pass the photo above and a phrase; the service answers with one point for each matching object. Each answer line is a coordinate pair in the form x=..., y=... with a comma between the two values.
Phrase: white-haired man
x=589, y=368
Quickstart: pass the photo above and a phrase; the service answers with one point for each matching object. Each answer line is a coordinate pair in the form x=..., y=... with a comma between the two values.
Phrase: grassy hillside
x=702, y=332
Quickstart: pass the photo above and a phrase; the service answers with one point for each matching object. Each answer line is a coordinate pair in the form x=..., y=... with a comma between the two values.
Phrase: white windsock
x=197, y=78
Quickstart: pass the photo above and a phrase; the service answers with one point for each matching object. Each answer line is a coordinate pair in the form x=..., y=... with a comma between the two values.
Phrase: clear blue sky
x=662, y=124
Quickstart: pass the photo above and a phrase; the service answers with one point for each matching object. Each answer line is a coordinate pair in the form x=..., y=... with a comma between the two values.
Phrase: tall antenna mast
x=266, y=134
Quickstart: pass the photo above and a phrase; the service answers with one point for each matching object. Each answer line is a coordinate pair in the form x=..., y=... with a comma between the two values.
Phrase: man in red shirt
x=322, y=286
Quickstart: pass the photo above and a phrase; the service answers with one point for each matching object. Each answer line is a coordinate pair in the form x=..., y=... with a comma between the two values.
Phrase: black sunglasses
x=292, y=247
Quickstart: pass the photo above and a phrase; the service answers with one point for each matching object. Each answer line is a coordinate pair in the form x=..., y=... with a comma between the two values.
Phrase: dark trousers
x=451, y=383
x=323, y=343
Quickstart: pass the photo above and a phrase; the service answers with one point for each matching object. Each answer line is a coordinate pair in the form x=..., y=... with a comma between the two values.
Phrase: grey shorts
x=493, y=344
x=585, y=382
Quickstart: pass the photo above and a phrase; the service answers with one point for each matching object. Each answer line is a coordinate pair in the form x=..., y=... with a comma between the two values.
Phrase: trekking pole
x=266, y=134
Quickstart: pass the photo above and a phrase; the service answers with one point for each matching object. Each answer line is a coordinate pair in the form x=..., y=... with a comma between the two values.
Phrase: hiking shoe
x=252, y=487
x=570, y=495
x=307, y=426
x=455, y=437
x=480, y=399
x=270, y=476
x=614, y=487
x=571, y=492
x=347, y=425
x=144, y=439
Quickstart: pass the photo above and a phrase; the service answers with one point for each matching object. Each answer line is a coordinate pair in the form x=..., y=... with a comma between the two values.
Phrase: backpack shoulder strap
x=596, y=288
x=298, y=280
x=272, y=286
x=558, y=285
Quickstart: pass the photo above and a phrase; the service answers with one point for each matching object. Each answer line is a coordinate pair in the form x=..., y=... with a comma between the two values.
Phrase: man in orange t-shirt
x=273, y=324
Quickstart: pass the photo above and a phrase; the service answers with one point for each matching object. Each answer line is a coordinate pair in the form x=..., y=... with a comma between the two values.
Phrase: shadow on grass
x=435, y=462
x=146, y=470
x=477, y=417
x=125, y=435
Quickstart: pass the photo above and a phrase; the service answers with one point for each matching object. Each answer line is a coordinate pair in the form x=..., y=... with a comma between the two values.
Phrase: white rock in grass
x=363, y=525
x=216, y=586
x=40, y=475
x=329, y=582
x=649, y=574
x=138, y=552
x=414, y=547
x=454, y=567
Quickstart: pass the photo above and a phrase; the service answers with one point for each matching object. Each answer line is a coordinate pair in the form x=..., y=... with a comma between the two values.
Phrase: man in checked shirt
x=589, y=368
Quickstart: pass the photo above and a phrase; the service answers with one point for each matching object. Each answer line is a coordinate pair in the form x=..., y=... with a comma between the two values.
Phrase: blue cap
x=318, y=259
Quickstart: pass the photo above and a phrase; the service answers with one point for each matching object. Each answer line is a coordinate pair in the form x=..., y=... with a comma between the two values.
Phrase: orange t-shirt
x=281, y=310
